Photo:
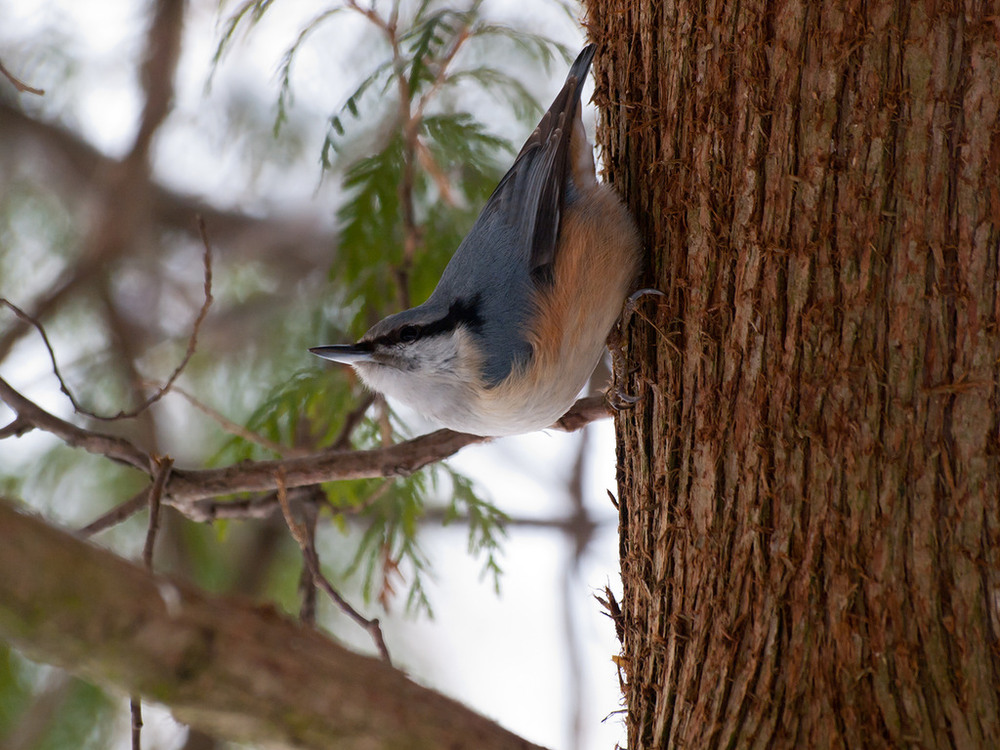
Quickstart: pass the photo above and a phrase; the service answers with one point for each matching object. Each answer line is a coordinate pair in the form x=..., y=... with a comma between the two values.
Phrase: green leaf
x=250, y=11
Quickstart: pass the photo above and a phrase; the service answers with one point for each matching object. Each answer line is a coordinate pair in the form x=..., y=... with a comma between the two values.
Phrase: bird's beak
x=348, y=354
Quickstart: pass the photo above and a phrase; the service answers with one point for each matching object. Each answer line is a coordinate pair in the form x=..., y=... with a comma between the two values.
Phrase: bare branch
x=582, y=413
x=162, y=391
x=115, y=448
x=117, y=514
x=164, y=466
x=233, y=428
x=19, y=84
x=221, y=664
x=186, y=488
x=351, y=421
x=135, y=709
x=401, y=459
x=48, y=346
x=310, y=559
x=17, y=428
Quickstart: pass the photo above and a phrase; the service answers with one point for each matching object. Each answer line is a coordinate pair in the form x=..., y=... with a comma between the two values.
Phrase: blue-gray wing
x=533, y=190
x=511, y=248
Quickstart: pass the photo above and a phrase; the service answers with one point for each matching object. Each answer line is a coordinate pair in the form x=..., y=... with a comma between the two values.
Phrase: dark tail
x=531, y=194
x=566, y=100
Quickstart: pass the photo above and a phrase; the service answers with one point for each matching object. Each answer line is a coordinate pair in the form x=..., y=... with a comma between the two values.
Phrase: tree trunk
x=810, y=534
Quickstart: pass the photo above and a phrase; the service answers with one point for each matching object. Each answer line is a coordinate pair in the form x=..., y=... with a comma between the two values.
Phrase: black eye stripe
x=461, y=312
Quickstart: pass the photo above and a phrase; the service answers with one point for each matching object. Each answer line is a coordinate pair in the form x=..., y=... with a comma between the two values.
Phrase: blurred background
x=283, y=125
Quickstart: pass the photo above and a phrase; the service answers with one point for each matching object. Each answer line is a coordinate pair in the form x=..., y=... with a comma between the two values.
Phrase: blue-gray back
x=510, y=250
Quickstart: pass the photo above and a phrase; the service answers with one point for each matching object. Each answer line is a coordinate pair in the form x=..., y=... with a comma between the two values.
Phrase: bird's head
x=425, y=356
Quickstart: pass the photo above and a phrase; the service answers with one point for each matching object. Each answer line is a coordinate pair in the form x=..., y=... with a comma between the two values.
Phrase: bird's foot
x=617, y=397
x=618, y=400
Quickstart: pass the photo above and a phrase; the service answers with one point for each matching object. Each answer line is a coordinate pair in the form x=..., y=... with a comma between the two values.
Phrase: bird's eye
x=408, y=334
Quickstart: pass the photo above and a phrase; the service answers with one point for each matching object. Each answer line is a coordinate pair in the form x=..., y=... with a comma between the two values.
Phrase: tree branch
x=115, y=448
x=163, y=389
x=19, y=84
x=310, y=560
x=222, y=665
x=186, y=488
x=71, y=163
x=399, y=460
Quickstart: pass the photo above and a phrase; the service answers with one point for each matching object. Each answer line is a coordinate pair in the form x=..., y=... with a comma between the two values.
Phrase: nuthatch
x=520, y=316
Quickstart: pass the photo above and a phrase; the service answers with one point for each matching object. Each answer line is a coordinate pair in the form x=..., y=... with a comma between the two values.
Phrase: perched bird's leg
x=616, y=396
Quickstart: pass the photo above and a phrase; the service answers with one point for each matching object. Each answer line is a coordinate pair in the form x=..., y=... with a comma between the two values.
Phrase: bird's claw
x=619, y=400
x=633, y=299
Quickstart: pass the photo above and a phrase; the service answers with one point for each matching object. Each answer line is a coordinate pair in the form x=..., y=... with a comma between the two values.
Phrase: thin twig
x=351, y=422
x=207, y=286
x=233, y=428
x=307, y=583
x=430, y=165
x=162, y=391
x=411, y=230
x=372, y=626
x=297, y=531
x=164, y=466
x=119, y=513
x=311, y=560
x=135, y=706
x=461, y=36
x=19, y=84
x=17, y=428
x=384, y=423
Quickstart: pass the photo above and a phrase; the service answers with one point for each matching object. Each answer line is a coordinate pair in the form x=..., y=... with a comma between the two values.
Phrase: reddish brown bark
x=810, y=532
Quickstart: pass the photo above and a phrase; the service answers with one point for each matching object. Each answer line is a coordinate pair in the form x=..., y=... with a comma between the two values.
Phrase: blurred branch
x=160, y=392
x=125, y=190
x=286, y=238
x=123, y=187
x=163, y=45
x=221, y=664
x=411, y=230
x=17, y=428
x=163, y=468
x=19, y=84
x=351, y=422
x=239, y=430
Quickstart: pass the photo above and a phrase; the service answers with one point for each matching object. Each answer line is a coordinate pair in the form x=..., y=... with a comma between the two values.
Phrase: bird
x=519, y=319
